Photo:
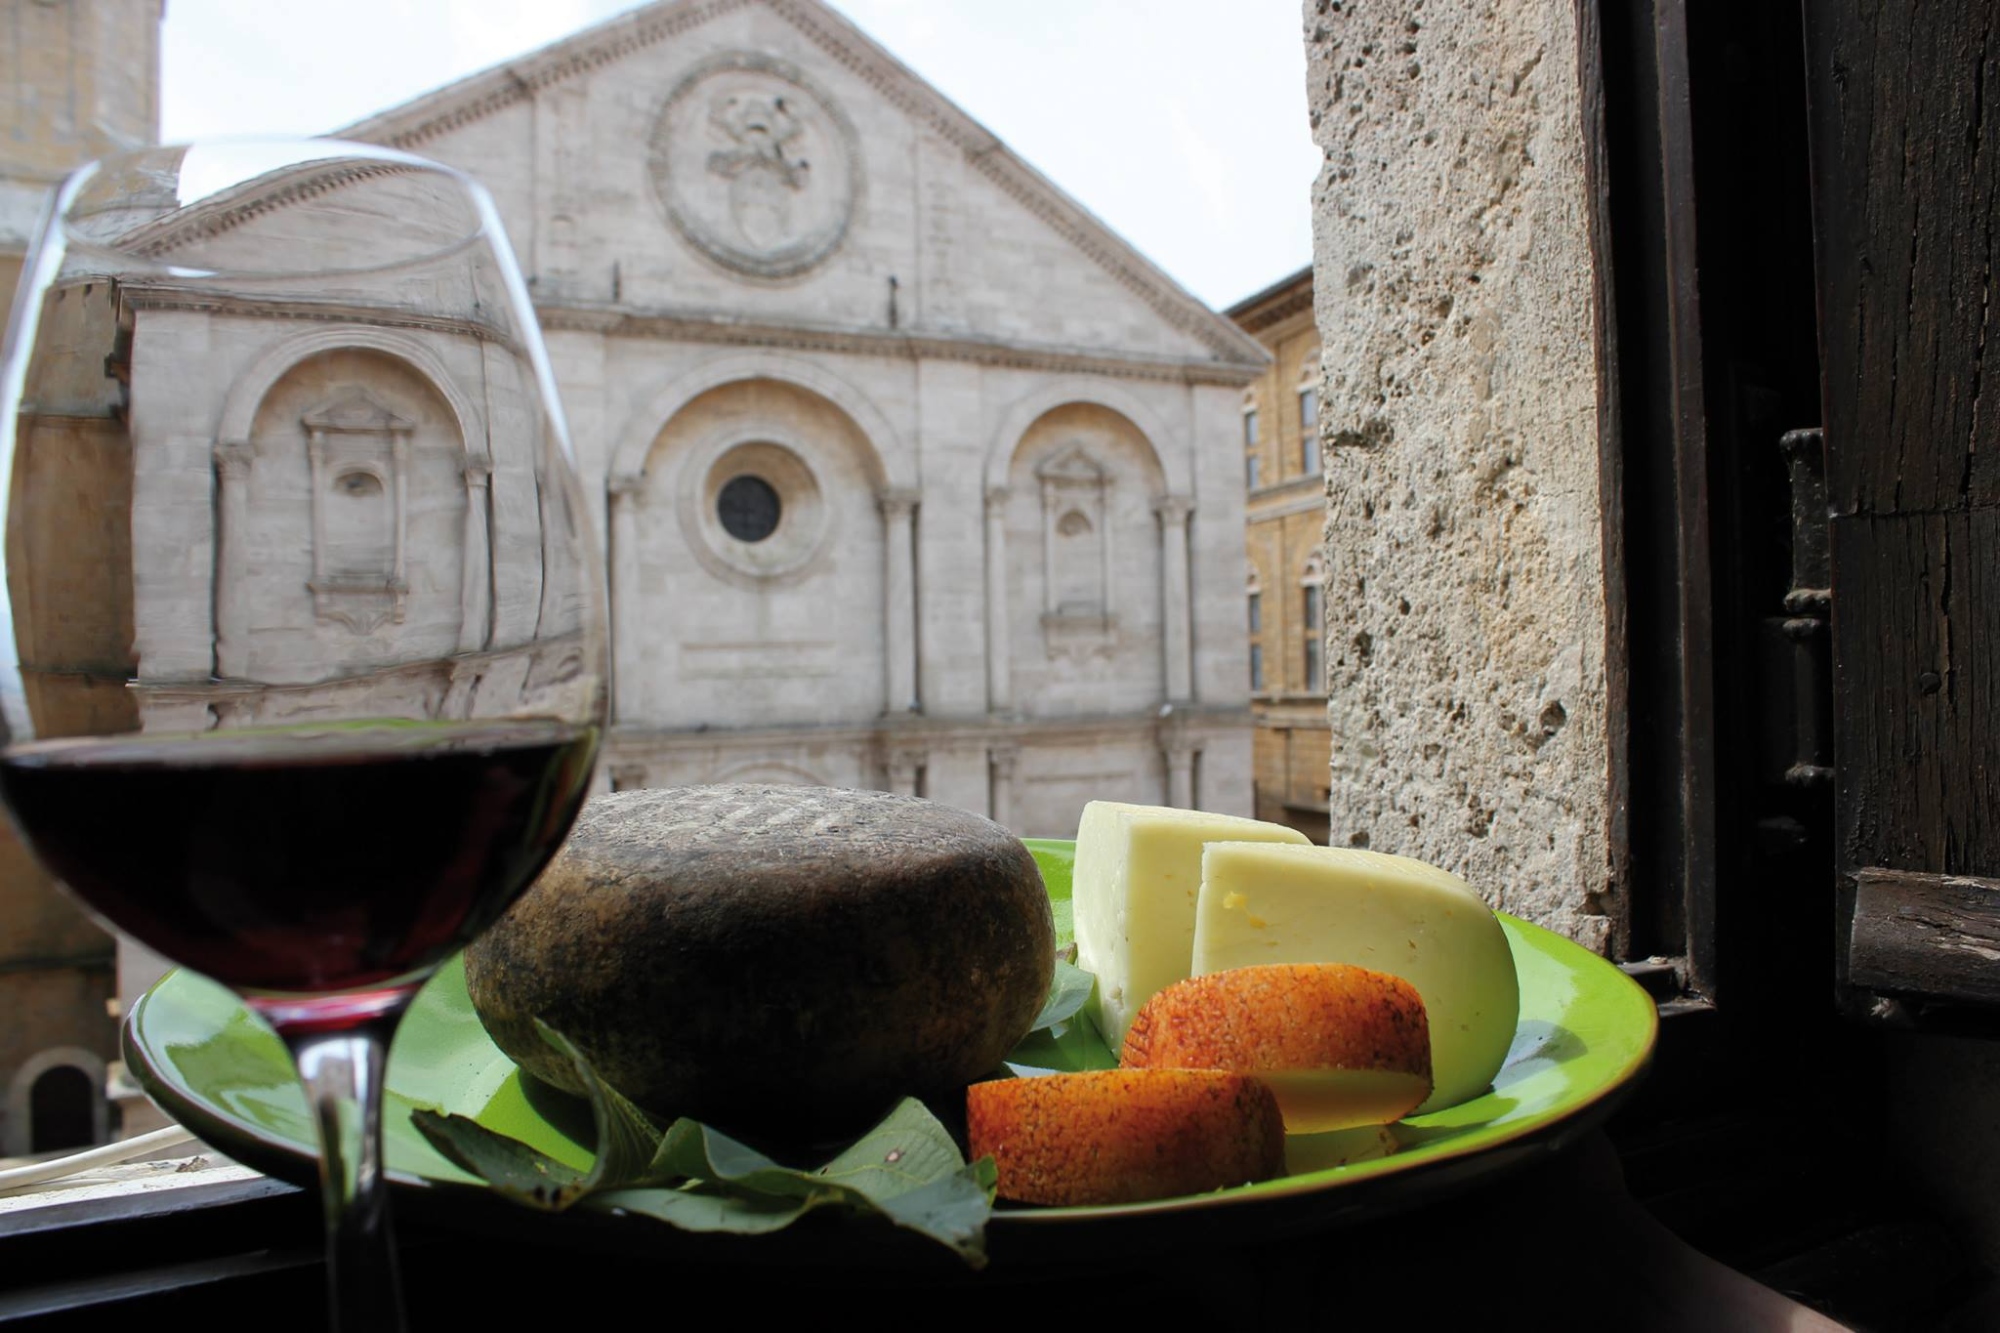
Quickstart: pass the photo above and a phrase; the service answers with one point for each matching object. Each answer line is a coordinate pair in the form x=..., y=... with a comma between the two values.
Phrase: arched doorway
x=61, y=1110
x=55, y=1101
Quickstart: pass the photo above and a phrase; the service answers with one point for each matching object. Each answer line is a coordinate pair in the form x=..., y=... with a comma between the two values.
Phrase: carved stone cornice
x=626, y=486
x=208, y=300
x=475, y=98
x=699, y=327
x=1173, y=510
x=1200, y=721
x=228, y=209
x=897, y=501
x=996, y=499
x=1288, y=296
x=461, y=103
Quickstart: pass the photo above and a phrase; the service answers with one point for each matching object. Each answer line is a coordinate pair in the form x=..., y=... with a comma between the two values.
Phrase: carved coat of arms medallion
x=756, y=166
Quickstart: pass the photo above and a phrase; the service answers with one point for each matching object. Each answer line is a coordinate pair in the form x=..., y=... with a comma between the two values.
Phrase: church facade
x=911, y=474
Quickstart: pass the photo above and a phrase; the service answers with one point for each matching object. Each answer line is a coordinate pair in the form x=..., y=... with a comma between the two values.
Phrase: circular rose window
x=749, y=508
x=754, y=511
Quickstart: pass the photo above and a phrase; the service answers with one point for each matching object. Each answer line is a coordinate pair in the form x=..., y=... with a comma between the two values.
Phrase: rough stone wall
x=1465, y=610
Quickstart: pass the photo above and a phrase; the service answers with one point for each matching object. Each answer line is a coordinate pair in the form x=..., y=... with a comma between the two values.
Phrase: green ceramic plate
x=1586, y=1032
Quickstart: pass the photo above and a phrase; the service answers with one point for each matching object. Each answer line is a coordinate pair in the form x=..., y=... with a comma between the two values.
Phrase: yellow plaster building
x=1284, y=591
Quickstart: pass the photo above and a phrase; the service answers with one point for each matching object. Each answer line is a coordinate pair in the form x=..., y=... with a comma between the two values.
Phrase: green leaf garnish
x=1062, y=1038
x=1067, y=991
x=906, y=1169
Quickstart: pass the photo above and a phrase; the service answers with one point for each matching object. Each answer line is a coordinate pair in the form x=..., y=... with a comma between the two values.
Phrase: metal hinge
x=1799, y=645
x=1665, y=979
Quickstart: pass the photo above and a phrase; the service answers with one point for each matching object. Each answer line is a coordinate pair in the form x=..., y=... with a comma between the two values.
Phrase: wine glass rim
x=228, y=192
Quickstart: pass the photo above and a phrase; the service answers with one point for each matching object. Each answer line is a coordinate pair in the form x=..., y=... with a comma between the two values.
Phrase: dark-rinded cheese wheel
x=778, y=961
x=1124, y=1135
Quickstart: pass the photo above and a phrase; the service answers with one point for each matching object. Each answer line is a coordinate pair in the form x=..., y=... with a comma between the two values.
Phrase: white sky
x=1186, y=131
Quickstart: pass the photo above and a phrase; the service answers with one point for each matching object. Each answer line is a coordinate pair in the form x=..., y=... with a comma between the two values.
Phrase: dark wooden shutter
x=1906, y=179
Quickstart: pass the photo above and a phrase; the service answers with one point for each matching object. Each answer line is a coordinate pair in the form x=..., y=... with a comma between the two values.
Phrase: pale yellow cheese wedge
x=1138, y=871
x=1261, y=903
x=1314, y=1101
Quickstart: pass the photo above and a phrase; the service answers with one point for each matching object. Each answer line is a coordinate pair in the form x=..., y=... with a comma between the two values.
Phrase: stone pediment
x=777, y=142
x=353, y=411
x=1075, y=466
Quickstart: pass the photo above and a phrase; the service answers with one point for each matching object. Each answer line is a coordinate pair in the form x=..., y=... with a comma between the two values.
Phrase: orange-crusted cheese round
x=1125, y=1135
x=1339, y=1045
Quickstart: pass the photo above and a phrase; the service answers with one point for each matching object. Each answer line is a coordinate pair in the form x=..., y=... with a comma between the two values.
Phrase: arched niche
x=1082, y=551
x=347, y=512
x=639, y=437
x=748, y=564
x=247, y=394
x=1022, y=415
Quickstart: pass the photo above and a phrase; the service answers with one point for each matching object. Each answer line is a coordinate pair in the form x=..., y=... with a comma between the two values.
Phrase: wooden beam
x=1932, y=935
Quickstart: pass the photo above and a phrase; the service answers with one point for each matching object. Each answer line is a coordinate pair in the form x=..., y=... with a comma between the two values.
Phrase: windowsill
x=1292, y=485
x=194, y=1165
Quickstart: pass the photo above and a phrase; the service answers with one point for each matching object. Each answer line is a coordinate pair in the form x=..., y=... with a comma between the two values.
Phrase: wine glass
x=304, y=654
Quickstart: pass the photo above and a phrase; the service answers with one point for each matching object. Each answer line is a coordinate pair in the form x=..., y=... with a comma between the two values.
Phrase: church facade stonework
x=910, y=474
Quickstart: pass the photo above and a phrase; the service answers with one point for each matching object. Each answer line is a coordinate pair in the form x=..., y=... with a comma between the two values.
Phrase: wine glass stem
x=342, y=1073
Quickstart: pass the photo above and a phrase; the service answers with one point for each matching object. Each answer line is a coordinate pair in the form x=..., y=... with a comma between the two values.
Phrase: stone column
x=627, y=491
x=903, y=766
x=999, y=649
x=1516, y=395
x=1180, y=773
x=1048, y=547
x=899, y=600
x=1173, y=511
x=1005, y=759
x=232, y=465
x=475, y=587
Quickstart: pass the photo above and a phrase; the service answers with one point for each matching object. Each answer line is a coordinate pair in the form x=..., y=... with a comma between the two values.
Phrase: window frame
x=1312, y=635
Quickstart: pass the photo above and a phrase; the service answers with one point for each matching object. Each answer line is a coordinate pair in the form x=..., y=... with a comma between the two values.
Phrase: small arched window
x=1312, y=592
x=1253, y=457
x=1309, y=457
x=1254, y=600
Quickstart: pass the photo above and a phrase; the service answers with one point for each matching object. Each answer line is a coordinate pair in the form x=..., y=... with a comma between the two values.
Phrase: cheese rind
x=1124, y=1135
x=1340, y=1046
x=1260, y=903
x=1135, y=884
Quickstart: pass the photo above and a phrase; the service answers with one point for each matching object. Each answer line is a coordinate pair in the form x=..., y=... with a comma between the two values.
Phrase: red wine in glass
x=334, y=867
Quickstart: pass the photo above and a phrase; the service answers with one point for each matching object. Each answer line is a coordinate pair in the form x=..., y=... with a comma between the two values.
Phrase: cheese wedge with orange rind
x=1339, y=1046
x=1124, y=1135
x=1264, y=904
